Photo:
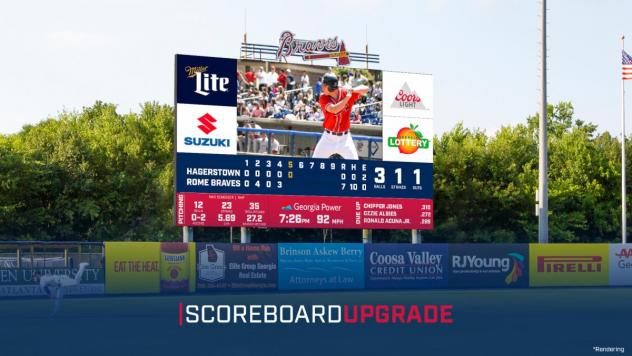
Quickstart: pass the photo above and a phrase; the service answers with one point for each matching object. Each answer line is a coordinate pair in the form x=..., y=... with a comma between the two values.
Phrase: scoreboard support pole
x=245, y=235
x=187, y=234
x=367, y=236
x=416, y=236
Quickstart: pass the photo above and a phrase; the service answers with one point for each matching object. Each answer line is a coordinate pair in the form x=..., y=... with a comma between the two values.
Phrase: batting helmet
x=331, y=81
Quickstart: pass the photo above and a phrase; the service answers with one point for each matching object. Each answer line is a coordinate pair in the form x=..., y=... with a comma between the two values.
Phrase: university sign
x=22, y=282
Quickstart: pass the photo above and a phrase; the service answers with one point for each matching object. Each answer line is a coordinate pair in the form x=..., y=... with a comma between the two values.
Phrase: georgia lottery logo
x=409, y=140
x=408, y=99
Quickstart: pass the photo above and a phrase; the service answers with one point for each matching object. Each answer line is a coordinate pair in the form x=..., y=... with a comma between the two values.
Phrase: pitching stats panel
x=270, y=191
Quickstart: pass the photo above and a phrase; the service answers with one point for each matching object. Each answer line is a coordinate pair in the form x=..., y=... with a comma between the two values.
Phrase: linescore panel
x=243, y=174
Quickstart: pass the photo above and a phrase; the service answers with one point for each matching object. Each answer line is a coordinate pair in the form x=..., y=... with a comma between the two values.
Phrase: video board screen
x=268, y=144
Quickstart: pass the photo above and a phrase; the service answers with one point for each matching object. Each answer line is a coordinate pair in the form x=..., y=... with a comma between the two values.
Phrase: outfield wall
x=348, y=266
x=154, y=267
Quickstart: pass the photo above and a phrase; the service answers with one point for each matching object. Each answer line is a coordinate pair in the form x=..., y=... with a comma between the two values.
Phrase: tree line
x=97, y=175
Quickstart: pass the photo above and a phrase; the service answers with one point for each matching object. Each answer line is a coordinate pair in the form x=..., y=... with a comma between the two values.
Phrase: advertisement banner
x=177, y=267
x=408, y=139
x=403, y=266
x=488, y=265
x=311, y=266
x=568, y=265
x=408, y=95
x=23, y=282
x=206, y=129
x=223, y=266
x=132, y=267
x=261, y=210
x=206, y=96
x=621, y=264
x=206, y=80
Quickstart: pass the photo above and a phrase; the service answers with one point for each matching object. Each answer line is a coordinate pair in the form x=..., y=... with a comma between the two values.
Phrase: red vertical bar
x=180, y=314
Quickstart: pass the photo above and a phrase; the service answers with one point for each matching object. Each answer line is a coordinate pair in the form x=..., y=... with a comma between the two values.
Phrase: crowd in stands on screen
x=249, y=141
x=277, y=94
x=267, y=146
x=304, y=152
x=256, y=141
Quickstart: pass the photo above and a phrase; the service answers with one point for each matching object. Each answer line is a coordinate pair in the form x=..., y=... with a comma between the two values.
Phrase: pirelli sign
x=568, y=265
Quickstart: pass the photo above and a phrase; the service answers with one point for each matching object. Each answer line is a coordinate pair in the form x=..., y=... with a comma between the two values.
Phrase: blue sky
x=483, y=53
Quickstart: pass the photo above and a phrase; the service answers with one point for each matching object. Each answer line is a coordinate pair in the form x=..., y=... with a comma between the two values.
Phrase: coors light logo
x=408, y=99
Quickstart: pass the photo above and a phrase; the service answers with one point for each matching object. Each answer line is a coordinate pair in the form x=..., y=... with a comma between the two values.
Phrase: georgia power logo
x=206, y=83
x=409, y=140
x=212, y=264
x=408, y=99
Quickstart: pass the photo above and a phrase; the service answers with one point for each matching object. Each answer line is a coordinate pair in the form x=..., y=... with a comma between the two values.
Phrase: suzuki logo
x=207, y=123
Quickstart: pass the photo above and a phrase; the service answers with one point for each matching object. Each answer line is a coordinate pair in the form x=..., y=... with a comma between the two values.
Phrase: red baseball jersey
x=250, y=77
x=339, y=122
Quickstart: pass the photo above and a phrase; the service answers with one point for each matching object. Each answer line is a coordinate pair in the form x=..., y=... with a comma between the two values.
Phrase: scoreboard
x=274, y=191
x=217, y=185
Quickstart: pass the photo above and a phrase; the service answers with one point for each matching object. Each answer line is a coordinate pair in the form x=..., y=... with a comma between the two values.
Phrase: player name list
x=264, y=210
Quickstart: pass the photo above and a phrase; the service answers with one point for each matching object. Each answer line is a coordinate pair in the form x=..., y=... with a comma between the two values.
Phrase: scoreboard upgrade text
x=215, y=186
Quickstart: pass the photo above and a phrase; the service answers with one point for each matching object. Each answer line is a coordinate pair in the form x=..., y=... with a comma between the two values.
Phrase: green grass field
x=552, y=321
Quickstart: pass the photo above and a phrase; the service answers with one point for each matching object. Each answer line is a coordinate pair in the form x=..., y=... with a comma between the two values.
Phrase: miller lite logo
x=206, y=83
x=569, y=264
x=408, y=99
